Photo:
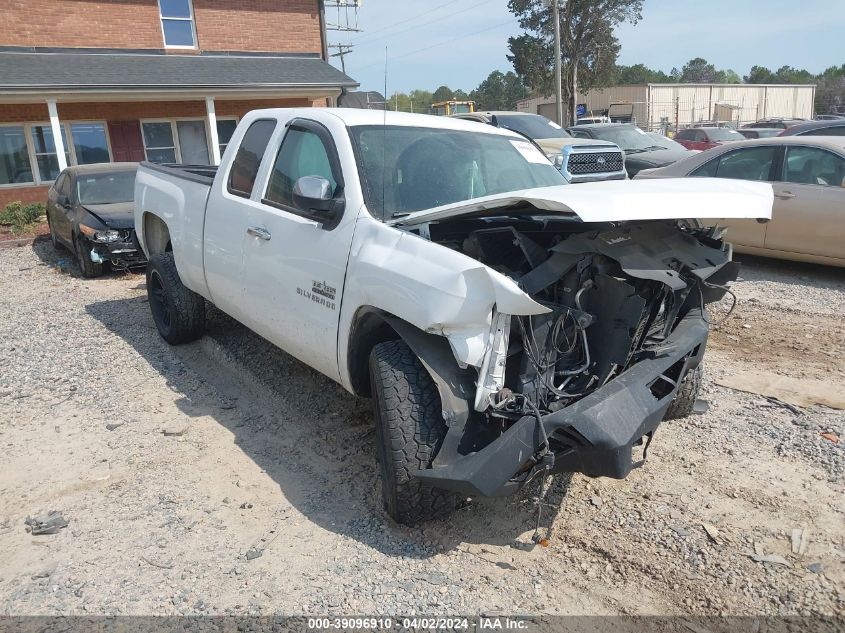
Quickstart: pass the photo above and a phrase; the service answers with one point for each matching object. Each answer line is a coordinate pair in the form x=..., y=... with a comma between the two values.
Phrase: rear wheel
x=687, y=394
x=409, y=432
x=89, y=269
x=179, y=313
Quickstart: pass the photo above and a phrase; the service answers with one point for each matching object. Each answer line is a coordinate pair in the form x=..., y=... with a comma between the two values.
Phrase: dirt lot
x=226, y=477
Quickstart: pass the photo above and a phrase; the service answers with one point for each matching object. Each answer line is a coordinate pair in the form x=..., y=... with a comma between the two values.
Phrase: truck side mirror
x=315, y=195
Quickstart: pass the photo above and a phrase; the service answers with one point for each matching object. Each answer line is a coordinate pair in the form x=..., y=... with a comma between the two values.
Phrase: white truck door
x=294, y=266
x=227, y=218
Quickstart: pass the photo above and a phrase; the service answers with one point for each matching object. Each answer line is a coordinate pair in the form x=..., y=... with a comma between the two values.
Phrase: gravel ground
x=226, y=477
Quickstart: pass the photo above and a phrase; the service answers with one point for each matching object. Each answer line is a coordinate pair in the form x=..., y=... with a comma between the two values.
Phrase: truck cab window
x=302, y=154
x=248, y=159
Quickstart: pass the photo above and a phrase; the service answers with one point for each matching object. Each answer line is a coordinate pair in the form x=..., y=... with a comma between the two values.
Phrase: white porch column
x=212, y=130
x=57, y=133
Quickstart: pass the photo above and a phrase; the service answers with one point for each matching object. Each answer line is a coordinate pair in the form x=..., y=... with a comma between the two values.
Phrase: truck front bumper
x=594, y=435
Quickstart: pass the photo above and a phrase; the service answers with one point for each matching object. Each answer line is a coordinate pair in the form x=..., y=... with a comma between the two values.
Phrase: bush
x=21, y=217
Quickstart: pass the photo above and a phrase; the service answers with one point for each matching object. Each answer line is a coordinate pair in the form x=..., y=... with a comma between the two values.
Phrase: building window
x=177, y=23
x=193, y=142
x=225, y=129
x=182, y=141
x=14, y=157
x=28, y=153
x=90, y=144
x=158, y=142
x=45, y=152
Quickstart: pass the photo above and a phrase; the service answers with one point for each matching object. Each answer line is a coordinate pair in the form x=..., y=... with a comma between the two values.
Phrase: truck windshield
x=106, y=188
x=406, y=169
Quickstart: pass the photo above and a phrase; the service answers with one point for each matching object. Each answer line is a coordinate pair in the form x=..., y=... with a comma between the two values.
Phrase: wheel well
x=156, y=235
x=368, y=330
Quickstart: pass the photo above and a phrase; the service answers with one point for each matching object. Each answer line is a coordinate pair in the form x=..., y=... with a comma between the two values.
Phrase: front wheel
x=179, y=313
x=53, y=238
x=687, y=394
x=88, y=268
x=409, y=431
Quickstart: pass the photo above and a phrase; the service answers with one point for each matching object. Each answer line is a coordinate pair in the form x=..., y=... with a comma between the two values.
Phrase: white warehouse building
x=680, y=105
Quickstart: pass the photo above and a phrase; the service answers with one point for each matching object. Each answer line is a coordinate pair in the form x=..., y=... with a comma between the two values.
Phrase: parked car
x=775, y=122
x=817, y=128
x=830, y=117
x=90, y=212
x=760, y=132
x=808, y=177
x=703, y=138
x=578, y=160
x=641, y=151
x=505, y=323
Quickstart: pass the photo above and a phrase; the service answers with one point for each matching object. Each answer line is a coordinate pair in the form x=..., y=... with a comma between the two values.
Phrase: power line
x=441, y=43
x=414, y=17
x=417, y=26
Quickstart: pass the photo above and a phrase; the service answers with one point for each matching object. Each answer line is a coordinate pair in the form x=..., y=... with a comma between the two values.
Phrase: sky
x=458, y=43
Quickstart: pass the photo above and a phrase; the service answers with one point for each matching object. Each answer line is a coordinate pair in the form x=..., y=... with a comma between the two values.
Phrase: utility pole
x=558, y=71
x=342, y=49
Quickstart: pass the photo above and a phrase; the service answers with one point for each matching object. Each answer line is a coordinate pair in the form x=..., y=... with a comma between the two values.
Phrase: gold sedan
x=807, y=174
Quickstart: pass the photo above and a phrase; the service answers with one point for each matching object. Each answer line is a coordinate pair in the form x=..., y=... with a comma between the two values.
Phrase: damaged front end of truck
x=621, y=321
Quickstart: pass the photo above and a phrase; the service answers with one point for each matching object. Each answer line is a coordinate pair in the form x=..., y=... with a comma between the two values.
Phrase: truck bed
x=198, y=173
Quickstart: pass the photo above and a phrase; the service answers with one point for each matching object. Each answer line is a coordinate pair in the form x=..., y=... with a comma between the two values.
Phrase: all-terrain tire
x=409, y=431
x=179, y=313
x=685, y=399
x=89, y=269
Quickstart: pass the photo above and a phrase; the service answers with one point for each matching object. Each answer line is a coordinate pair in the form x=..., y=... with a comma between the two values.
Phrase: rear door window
x=813, y=166
x=248, y=159
x=753, y=163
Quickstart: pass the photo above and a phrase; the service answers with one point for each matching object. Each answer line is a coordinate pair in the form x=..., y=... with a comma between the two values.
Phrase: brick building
x=87, y=81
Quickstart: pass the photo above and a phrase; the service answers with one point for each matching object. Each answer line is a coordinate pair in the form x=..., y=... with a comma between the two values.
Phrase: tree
x=640, y=74
x=422, y=100
x=588, y=46
x=790, y=75
x=460, y=95
x=727, y=77
x=499, y=91
x=760, y=75
x=443, y=93
x=830, y=91
x=698, y=71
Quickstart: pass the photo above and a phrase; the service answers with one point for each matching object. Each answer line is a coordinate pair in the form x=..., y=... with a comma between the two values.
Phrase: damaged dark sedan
x=90, y=212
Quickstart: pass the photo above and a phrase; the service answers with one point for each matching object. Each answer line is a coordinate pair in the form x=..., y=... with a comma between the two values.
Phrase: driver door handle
x=260, y=233
x=785, y=195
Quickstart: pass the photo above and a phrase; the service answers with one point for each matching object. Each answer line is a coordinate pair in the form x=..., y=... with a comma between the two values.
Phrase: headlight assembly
x=106, y=237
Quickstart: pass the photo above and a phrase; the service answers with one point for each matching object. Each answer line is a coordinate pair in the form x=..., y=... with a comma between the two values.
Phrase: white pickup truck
x=505, y=324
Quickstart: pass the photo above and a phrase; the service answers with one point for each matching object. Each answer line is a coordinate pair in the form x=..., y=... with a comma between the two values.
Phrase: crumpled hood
x=625, y=200
x=118, y=215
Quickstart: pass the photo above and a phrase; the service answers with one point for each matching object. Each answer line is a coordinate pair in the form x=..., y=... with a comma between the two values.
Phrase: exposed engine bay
x=615, y=293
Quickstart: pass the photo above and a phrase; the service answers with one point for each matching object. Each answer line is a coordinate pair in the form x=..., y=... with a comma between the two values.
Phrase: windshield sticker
x=529, y=152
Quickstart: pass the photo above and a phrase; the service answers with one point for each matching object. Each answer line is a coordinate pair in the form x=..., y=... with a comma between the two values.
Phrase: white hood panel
x=625, y=200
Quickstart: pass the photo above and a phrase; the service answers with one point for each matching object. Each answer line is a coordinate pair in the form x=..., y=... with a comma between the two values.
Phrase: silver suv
x=579, y=160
